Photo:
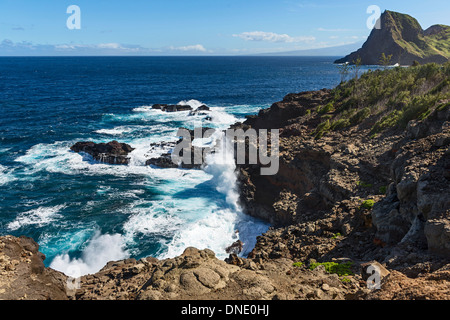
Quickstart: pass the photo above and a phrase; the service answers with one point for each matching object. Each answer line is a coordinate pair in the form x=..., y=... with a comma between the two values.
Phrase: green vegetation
x=388, y=99
x=336, y=235
x=357, y=66
x=326, y=109
x=298, y=264
x=368, y=204
x=341, y=269
x=420, y=44
x=364, y=185
x=322, y=129
x=382, y=190
x=385, y=61
x=345, y=279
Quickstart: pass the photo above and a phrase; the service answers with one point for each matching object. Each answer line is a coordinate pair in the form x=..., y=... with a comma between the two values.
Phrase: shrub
x=298, y=264
x=360, y=116
x=339, y=124
x=388, y=121
x=322, y=129
x=382, y=190
x=364, y=185
x=419, y=108
x=341, y=269
x=368, y=204
x=443, y=106
x=326, y=109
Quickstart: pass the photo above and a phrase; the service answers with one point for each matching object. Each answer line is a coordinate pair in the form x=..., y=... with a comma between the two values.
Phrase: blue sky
x=203, y=27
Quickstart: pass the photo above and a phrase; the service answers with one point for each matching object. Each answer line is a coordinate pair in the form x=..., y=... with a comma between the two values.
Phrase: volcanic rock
x=112, y=152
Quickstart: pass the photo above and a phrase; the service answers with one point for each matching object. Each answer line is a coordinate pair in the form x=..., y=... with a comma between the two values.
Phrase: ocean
x=83, y=213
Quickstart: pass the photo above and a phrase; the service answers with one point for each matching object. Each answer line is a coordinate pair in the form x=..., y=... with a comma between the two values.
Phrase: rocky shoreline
x=339, y=203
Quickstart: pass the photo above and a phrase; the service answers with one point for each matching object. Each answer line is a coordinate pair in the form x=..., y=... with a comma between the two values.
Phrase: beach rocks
x=112, y=152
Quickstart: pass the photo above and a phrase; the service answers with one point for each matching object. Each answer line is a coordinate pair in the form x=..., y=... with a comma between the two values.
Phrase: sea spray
x=101, y=248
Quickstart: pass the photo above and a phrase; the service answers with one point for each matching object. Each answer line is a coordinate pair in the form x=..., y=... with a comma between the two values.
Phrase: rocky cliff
x=402, y=37
x=364, y=173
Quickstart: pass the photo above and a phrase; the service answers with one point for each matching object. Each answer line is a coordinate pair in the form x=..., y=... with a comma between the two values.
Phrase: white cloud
x=110, y=46
x=8, y=47
x=271, y=37
x=197, y=47
x=333, y=30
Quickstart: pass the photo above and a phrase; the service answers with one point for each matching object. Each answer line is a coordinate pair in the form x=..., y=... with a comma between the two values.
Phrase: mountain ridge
x=402, y=36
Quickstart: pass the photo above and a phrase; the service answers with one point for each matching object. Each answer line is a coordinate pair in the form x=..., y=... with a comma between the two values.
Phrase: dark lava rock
x=112, y=152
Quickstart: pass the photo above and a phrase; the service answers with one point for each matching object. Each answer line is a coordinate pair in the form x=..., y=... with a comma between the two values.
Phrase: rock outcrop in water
x=112, y=152
x=402, y=37
x=197, y=152
x=171, y=107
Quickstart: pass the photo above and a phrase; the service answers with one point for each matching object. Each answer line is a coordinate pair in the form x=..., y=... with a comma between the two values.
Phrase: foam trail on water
x=6, y=175
x=216, y=230
x=39, y=217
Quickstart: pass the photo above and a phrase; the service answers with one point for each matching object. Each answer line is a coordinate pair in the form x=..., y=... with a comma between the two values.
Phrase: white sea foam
x=157, y=219
x=100, y=249
x=40, y=216
x=6, y=175
x=214, y=231
x=216, y=228
x=193, y=103
x=181, y=213
x=143, y=109
x=115, y=131
x=57, y=158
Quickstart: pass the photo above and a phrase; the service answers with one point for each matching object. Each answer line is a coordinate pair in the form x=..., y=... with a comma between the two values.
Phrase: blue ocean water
x=83, y=213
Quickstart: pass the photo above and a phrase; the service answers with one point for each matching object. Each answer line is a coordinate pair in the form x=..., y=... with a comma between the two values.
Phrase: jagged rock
x=314, y=202
x=235, y=248
x=171, y=107
x=200, y=111
x=23, y=274
x=112, y=152
x=397, y=286
x=165, y=160
x=382, y=271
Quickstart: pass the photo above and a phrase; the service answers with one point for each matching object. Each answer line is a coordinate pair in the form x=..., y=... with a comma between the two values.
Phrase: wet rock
x=171, y=107
x=112, y=152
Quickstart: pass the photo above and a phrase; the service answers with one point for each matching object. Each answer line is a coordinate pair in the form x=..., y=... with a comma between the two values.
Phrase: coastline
x=317, y=207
